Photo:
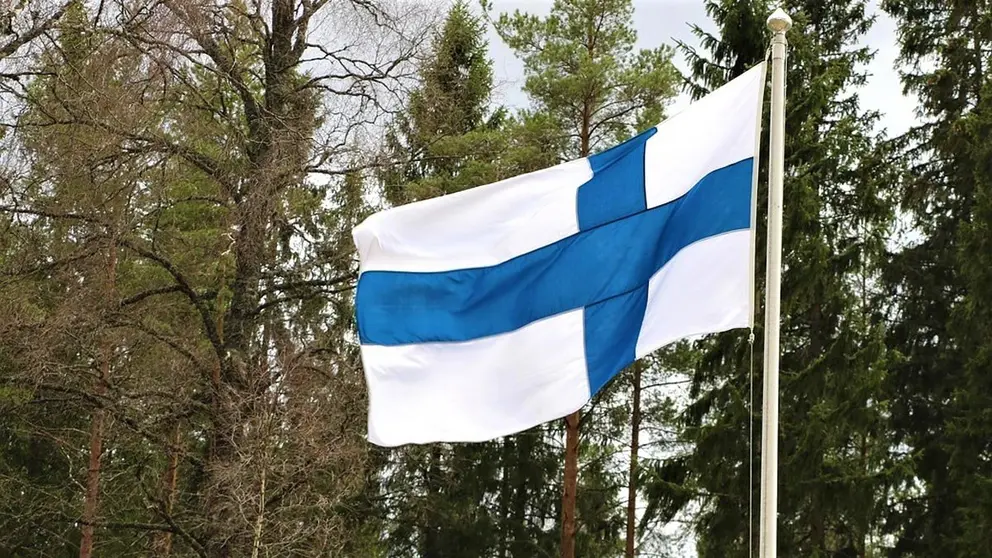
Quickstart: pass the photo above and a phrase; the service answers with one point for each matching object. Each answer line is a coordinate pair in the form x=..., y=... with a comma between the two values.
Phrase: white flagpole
x=779, y=22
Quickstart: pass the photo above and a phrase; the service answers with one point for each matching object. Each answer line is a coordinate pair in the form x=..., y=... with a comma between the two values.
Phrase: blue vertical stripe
x=616, y=189
x=611, y=330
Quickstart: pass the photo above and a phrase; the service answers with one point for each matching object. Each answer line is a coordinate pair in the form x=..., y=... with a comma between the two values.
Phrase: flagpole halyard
x=779, y=23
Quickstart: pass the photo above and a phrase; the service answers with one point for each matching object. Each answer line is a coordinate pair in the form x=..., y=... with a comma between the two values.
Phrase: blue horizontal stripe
x=592, y=266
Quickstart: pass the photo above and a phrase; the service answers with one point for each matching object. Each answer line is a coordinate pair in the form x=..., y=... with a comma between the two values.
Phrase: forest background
x=179, y=373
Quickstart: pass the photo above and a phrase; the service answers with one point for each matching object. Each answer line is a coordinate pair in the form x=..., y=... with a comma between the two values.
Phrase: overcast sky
x=665, y=21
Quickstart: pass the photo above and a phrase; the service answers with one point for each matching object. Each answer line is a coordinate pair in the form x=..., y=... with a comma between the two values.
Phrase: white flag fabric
x=490, y=311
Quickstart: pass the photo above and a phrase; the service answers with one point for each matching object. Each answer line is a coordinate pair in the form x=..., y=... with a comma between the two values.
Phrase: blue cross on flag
x=490, y=311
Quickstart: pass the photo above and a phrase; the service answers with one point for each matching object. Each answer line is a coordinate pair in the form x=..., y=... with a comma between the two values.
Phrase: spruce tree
x=441, y=134
x=940, y=285
x=491, y=498
x=833, y=359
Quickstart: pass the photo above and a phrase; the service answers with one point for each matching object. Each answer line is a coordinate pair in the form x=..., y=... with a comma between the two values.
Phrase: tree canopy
x=179, y=367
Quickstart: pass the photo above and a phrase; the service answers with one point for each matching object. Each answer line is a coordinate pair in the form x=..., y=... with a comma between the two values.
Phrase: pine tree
x=833, y=361
x=77, y=201
x=464, y=499
x=583, y=73
x=940, y=285
x=232, y=408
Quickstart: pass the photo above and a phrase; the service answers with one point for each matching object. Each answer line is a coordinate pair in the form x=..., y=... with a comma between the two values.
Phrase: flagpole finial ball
x=779, y=21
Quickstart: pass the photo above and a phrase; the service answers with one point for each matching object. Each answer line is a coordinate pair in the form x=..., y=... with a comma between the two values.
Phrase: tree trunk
x=429, y=536
x=242, y=383
x=93, y=470
x=91, y=500
x=163, y=541
x=571, y=485
x=519, y=547
x=635, y=427
x=505, y=493
x=571, y=480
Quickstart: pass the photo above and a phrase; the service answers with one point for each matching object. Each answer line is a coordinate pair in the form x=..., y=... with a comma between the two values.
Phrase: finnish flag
x=490, y=311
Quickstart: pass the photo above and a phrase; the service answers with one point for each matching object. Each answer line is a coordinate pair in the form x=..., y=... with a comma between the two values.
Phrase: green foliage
x=444, y=138
x=583, y=72
x=159, y=222
x=585, y=78
x=494, y=498
x=168, y=179
x=833, y=361
x=940, y=285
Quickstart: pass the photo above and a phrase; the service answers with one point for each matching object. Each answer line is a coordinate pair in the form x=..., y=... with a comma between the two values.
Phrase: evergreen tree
x=833, y=360
x=442, y=132
x=940, y=285
x=71, y=211
x=583, y=73
x=491, y=498
x=175, y=289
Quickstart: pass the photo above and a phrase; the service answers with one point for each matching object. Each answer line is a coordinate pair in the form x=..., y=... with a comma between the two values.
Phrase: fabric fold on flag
x=490, y=311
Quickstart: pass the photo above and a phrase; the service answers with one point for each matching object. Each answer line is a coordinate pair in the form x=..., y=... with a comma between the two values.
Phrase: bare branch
x=184, y=287
x=19, y=40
